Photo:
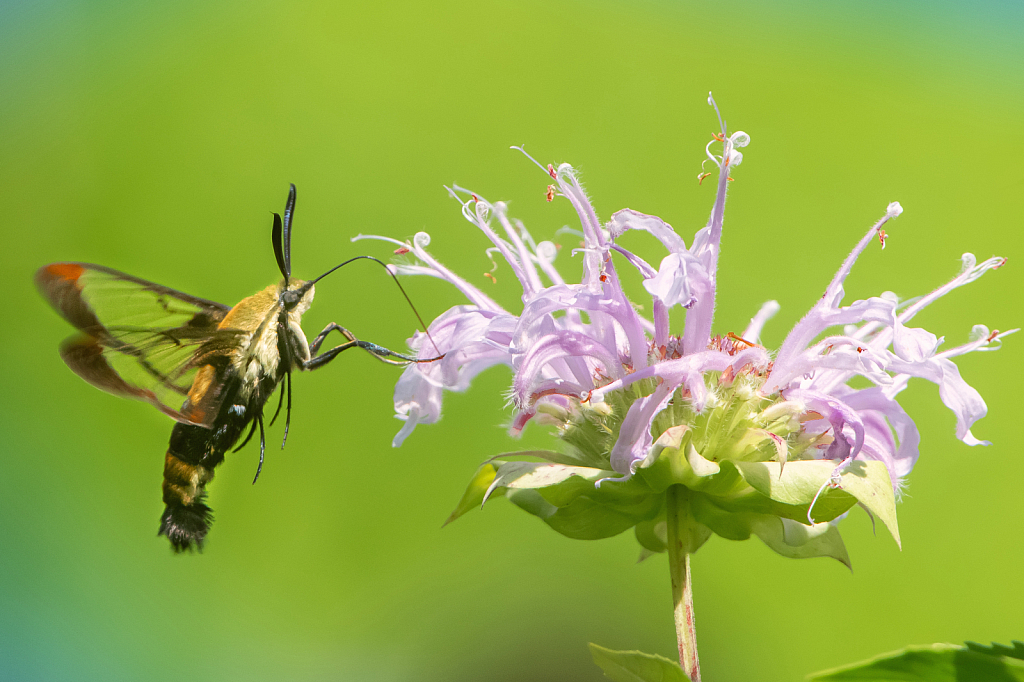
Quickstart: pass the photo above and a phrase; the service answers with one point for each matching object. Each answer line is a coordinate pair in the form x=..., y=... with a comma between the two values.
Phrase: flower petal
x=671, y=284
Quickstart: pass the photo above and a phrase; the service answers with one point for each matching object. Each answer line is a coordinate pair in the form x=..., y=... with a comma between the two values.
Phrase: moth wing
x=141, y=340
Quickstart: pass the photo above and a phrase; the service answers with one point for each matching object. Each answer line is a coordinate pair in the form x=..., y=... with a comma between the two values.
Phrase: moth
x=209, y=366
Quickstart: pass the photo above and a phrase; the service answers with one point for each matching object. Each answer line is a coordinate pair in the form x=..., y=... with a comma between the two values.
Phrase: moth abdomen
x=192, y=455
x=186, y=519
x=186, y=526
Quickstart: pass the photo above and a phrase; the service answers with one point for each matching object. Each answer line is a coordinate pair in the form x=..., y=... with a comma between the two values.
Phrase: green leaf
x=477, y=489
x=796, y=541
x=674, y=438
x=542, y=475
x=869, y=482
x=653, y=534
x=731, y=525
x=636, y=666
x=784, y=536
x=559, y=484
x=929, y=663
x=587, y=517
x=531, y=502
x=797, y=484
x=1016, y=651
x=495, y=475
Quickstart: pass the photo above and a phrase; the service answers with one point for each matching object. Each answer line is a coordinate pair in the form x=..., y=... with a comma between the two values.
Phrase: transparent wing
x=139, y=339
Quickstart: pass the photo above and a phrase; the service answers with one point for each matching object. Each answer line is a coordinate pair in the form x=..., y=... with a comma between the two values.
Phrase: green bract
x=744, y=459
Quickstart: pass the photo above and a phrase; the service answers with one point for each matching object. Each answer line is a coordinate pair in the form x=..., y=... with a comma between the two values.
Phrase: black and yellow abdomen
x=195, y=451
x=186, y=518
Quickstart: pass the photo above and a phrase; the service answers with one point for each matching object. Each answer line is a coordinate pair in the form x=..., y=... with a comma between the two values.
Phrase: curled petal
x=552, y=347
x=955, y=393
x=671, y=285
x=628, y=219
x=757, y=322
x=609, y=318
x=635, y=434
x=417, y=401
x=847, y=442
x=827, y=313
x=789, y=365
x=739, y=139
x=899, y=460
x=914, y=344
x=636, y=261
x=436, y=269
x=471, y=340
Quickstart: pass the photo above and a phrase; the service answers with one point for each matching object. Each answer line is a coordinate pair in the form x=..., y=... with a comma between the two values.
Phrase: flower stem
x=679, y=546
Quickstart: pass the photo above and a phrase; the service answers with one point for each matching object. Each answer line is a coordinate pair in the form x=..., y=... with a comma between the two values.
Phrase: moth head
x=296, y=296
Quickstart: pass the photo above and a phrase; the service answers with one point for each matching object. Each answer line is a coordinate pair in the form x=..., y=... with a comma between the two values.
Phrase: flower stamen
x=734, y=337
x=519, y=148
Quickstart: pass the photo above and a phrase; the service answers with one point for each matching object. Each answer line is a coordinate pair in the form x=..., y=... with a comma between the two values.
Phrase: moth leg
x=248, y=438
x=288, y=413
x=280, y=402
x=318, y=361
x=285, y=386
x=333, y=326
x=379, y=352
x=263, y=448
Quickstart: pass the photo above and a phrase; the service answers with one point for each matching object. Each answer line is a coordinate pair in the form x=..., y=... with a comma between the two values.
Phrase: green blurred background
x=156, y=138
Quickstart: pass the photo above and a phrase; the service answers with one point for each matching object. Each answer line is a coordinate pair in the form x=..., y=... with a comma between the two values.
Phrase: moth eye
x=290, y=298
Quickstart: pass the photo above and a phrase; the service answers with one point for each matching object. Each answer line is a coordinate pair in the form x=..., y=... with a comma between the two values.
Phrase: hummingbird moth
x=209, y=366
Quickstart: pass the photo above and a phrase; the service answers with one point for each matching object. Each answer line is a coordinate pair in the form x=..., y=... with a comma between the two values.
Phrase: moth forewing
x=145, y=353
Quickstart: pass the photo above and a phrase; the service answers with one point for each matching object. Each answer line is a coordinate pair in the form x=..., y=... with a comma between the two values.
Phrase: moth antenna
x=277, y=238
x=400, y=288
x=289, y=212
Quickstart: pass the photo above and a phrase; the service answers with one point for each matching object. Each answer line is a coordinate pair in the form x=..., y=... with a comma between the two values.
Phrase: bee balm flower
x=775, y=445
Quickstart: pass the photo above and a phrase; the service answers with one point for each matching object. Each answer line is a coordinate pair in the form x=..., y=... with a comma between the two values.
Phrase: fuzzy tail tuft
x=186, y=526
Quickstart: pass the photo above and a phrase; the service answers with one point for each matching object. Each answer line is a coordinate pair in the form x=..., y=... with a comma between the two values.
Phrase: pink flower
x=573, y=345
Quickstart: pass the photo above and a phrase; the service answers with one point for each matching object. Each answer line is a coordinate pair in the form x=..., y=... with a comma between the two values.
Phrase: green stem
x=680, y=538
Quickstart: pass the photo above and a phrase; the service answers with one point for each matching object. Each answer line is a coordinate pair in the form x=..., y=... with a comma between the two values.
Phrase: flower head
x=774, y=447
